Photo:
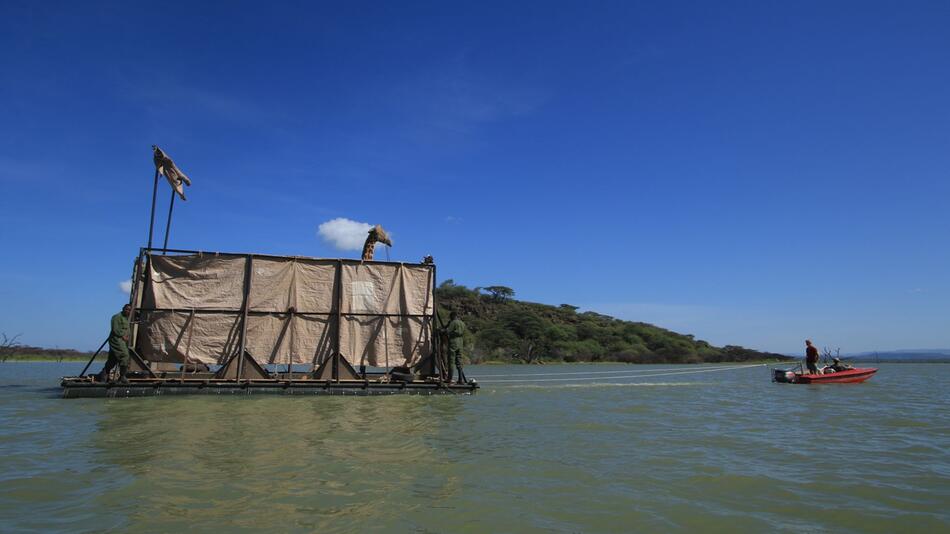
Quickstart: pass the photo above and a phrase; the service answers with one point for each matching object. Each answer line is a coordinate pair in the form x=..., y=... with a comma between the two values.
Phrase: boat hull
x=849, y=376
x=841, y=377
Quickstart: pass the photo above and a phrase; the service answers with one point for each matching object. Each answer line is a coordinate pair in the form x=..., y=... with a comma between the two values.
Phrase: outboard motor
x=782, y=375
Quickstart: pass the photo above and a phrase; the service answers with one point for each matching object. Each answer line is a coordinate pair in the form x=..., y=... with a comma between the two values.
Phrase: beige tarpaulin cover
x=193, y=306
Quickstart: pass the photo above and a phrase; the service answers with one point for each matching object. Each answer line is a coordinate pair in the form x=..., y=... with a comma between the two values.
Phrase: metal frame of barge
x=245, y=375
x=85, y=387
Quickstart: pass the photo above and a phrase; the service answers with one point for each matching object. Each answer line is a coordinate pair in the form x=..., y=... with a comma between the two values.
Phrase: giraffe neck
x=368, y=248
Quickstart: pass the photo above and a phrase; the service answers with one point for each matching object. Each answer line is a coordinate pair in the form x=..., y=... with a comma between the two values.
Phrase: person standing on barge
x=456, y=333
x=118, y=347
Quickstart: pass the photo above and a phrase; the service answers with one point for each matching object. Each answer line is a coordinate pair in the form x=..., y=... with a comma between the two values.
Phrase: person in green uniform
x=456, y=333
x=118, y=347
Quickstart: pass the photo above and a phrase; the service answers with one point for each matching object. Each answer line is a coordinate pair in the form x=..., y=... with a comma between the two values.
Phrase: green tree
x=496, y=340
x=530, y=329
x=500, y=293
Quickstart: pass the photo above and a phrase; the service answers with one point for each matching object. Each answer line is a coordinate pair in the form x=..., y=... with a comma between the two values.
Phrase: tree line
x=12, y=349
x=503, y=329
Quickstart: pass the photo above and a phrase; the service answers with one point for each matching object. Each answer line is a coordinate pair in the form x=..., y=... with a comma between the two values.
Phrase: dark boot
x=461, y=373
x=103, y=375
x=123, y=370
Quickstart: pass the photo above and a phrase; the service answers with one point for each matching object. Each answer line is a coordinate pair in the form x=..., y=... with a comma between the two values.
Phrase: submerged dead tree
x=8, y=346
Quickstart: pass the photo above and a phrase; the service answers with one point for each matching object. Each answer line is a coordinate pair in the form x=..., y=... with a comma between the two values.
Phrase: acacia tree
x=500, y=293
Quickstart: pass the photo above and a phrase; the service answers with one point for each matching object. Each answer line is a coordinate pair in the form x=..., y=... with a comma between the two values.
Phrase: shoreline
x=40, y=359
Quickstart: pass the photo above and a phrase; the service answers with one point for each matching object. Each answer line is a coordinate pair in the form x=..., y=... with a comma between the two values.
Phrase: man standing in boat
x=118, y=346
x=456, y=333
x=811, y=358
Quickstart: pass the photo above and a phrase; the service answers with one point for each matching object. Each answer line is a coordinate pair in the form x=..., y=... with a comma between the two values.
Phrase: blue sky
x=752, y=173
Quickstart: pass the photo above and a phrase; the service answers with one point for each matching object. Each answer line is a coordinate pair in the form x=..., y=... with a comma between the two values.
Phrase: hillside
x=904, y=356
x=503, y=329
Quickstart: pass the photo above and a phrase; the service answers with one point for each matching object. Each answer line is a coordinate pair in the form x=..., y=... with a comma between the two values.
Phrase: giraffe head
x=380, y=235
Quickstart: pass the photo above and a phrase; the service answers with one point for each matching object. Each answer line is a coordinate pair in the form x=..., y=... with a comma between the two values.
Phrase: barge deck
x=86, y=387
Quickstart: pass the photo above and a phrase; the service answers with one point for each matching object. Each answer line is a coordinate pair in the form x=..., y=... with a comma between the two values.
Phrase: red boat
x=829, y=377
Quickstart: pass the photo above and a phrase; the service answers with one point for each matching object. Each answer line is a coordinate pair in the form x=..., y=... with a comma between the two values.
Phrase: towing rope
x=614, y=377
x=616, y=371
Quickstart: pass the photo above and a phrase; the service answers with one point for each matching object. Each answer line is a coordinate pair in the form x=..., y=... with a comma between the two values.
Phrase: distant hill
x=504, y=329
x=907, y=355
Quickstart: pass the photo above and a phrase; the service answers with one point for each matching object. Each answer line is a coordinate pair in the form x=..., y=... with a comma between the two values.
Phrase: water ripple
x=718, y=452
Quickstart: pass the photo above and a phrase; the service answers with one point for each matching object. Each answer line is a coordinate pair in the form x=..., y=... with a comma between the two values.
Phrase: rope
x=730, y=368
x=585, y=372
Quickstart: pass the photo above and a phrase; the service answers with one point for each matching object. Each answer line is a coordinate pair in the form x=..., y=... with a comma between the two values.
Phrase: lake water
x=648, y=448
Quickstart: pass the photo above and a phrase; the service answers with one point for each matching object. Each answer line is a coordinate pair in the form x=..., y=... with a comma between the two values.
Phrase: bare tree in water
x=8, y=346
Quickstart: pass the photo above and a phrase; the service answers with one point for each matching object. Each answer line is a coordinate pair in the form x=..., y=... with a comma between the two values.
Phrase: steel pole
x=151, y=222
x=438, y=364
x=86, y=368
x=168, y=225
x=248, y=277
x=335, y=364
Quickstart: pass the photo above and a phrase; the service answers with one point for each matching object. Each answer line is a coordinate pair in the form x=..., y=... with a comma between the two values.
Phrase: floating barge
x=237, y=324
x=85, y=387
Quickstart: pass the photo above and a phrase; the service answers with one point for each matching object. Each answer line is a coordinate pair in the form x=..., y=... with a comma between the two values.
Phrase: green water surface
x=717, y=452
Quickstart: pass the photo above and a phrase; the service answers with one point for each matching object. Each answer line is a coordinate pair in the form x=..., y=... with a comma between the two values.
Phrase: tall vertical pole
x=248, y=273
x=339, y=322
x=151, y=222
x=437, y=362
x=168, y=225
x=134, y=298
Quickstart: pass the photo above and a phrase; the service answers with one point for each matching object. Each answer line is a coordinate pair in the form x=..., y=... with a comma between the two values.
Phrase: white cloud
x=344, y=234
x=126, y=286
